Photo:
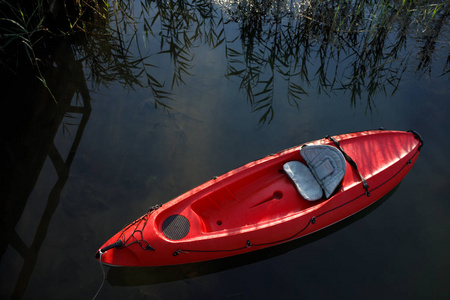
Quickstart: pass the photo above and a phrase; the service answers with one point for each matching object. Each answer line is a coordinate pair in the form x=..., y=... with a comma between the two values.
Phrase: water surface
x=204, y=88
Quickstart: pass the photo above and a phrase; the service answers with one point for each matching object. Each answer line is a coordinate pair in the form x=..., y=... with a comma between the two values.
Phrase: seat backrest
x=327, y=164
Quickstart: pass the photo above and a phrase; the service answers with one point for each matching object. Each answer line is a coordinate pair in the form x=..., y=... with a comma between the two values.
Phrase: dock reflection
x=35, y=120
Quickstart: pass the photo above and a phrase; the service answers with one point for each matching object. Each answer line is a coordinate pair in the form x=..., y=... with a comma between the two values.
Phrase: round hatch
x=176, y=227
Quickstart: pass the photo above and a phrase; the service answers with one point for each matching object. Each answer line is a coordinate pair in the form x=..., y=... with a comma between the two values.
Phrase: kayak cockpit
x=230, y=207
x=275, y=192
x=290, y=185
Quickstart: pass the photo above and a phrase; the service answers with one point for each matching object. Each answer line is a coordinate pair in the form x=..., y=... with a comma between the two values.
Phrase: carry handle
x=117, y=244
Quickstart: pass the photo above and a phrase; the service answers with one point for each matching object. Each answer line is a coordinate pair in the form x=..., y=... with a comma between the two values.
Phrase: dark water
x=238, y=86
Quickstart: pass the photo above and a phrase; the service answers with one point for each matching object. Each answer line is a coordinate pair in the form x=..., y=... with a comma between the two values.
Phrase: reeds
x=21, y=31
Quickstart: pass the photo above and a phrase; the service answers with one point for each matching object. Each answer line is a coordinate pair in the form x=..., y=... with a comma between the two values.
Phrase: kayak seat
x=304, y=180
x=323, y=173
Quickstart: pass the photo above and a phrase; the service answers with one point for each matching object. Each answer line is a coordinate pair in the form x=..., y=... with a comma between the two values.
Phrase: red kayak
x=276, y=199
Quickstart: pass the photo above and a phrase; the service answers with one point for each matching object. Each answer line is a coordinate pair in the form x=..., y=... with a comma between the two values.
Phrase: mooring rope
x=104, y=276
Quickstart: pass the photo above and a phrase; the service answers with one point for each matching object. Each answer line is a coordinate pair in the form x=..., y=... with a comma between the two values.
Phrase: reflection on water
x=283, y=48
x=292, y=48
x=360, y=47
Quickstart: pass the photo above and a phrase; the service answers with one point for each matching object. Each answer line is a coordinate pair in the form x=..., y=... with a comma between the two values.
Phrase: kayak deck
x=257, y=205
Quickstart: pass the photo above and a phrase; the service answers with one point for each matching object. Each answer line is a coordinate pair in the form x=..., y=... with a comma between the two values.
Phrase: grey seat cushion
x=327, y=164
x=303, y=180
x=323, y=173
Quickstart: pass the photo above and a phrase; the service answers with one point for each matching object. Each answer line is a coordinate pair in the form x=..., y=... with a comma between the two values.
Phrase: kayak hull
x=256, y=205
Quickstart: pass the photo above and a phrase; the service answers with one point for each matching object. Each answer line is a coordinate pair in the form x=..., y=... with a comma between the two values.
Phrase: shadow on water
x=135, y=276
x=29, y=141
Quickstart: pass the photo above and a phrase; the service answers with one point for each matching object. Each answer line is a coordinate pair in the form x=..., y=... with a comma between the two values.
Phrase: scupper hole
x=277, y=195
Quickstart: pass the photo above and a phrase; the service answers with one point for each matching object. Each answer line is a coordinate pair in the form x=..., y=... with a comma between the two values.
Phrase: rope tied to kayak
x=104, y=276
x=123, y=242
x=351, y=162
